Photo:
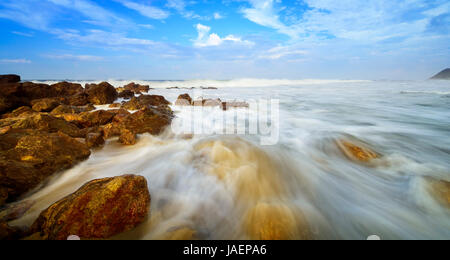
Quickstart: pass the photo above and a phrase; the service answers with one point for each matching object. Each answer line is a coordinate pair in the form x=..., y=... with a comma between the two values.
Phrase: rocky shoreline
x=45, y=129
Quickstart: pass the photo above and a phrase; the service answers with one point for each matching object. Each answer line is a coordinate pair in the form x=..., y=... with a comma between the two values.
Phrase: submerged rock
x=28, y=157
x=356, y=152
x=276, y=222
x=99, y=209
x=440, y=189
x=101, y=94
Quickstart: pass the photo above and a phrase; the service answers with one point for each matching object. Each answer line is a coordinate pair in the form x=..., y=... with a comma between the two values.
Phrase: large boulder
x=96, y=118
x=147, y=120
x=28, y=157
x=9, y=79
x=100, y=209
x=79, y=99
x=101, y=94
x=42, y=122
x=126, y=94
x=144, y=101
x=66, y=89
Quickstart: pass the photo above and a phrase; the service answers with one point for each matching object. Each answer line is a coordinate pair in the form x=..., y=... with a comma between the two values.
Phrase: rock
x=180, y=233
x=66, y=89
x=209, y=88
x=147, y=120
x=127, y=94
x=276, y=222
x=99, y=209
x=208, y=102
x=46, y=104
x=445, y=74
x=28, y=157
x=96, y=118
x=127, y=137
x=228, y=105
x=136, y=88
x=94, y=140
x=101, y=94
x=144, y=101
x=115, y=105
x=16, y=210
x=3, y=196
x=9, y=79
x=20, y=112
x=184, y=100
x=356, y=152
x=440, y=189
x=9, y=233
x=65, y=109
x=42, y=122
x=111, y=130
x=79, y=99
x=120, y=115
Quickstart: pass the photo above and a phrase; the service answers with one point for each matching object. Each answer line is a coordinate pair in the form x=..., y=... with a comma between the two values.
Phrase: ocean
x=220, y=184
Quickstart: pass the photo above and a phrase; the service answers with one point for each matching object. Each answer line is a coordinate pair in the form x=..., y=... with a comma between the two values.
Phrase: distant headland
x=445, y=74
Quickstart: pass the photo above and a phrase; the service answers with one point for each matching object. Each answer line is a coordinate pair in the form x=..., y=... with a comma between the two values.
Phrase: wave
x=235, y=83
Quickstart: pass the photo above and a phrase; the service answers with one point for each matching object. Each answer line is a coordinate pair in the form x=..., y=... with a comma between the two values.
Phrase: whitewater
x=215, y=186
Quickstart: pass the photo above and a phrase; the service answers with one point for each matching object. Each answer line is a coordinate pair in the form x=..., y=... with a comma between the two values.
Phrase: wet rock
x=66, y=89
x=20, y=112
x=136, y=88
x=16, y=210
x=127, y=137
x=208, y=102
x=96, y=118
x=228, y=105
x=9, y=233
x=42, y=122
x=111, y=130
x=101, y=94
x=46, y=104
x=94, y=140
x=127, y=94
x=147, y=120
x=9, y=79
x=120, y=115
x=3, y=196
x=356, y=152
x=144, y=101
x=28, y=157
x=440, y=189
x=276, y=222
x=66, y=109
x=79, y=99
x=115, y=105
x=100, y=209
x=184, y=100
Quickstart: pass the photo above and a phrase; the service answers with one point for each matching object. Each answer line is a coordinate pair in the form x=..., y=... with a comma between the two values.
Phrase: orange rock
x=100, y=209
x=355, y=152
x=440, y=189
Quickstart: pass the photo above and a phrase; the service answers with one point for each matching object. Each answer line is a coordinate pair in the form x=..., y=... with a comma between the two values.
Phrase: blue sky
x=225, y=39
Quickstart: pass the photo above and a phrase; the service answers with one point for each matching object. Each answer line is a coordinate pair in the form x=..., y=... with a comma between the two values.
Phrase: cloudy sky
x=224, y=39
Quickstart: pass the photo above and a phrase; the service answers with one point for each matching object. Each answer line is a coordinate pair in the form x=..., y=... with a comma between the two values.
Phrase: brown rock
x=115, y=105
x=42, y=122
x=147, y=120
x=101, y=94
x=127, y=137
x=16, y=210
x=9, y=79
x=96, y=118
x=9, y=233
x=66, y=89
x=94, y=140
x=127, y=94
x=184, y=100
x=440, y=189
x=29, y=156
x=100, y=209
x=79, y=99
x=144, y=101
x=136, y=88
x=20, y=112
x=110, y=130
x=65, y=109
x=356, y=152
x=46, y=104
x=3, y=196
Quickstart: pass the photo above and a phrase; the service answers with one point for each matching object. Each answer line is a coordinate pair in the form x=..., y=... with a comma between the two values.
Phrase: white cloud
x=205, y=39
x=75, y=57
x=23, y=34
x=217, y=16
x=16, y=61
x=101, y=37
x=145, y=9
x=282, y=51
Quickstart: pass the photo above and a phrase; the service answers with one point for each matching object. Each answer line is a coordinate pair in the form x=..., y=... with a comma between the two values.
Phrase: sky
x=224, y=39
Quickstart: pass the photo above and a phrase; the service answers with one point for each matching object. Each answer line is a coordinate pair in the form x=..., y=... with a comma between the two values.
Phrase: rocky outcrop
x=9, y=79
x=136, y=88
x=127, y=137
x=184, y=100
x=101, y=94
x=19, y=112
x=445, y=74
x=66, y=109
x=27, y=157
x=66, y=89
x=100, y=209
x=144, y=101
